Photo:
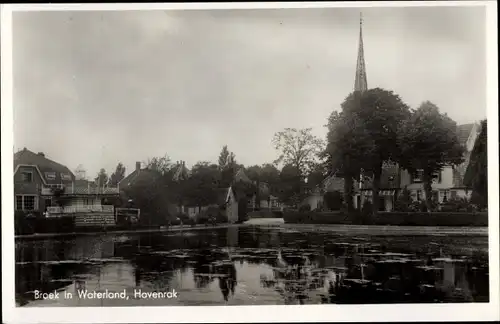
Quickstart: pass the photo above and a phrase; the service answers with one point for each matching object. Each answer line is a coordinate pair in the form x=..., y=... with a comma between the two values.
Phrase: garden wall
x=390, y=218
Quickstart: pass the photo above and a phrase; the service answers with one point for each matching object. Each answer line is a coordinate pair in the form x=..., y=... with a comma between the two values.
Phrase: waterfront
x=257, y=265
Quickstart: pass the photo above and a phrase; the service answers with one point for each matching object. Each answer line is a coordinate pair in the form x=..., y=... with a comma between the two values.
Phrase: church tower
x=360, y=83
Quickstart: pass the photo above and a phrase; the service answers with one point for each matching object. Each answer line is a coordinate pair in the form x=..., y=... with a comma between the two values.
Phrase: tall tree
x=348, y=145
x=429, y=141
x=298, y=148
x=227, y=166
x=476, y=176
x=102, y=178
x=223, y=157
x=117, y=176
x=376, y=114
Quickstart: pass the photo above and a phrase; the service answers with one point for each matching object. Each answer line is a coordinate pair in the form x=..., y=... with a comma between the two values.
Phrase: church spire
x=360, y=83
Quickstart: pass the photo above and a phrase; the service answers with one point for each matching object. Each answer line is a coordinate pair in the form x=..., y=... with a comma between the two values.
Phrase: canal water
x=253, y=265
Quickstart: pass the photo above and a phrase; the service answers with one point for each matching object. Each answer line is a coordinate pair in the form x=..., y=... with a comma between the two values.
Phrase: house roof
x=137, y=175
x=241, y=176
x=463, y=132
x=27, y=157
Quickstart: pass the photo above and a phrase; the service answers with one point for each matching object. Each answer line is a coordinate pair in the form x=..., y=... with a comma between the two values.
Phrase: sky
x=98, y=88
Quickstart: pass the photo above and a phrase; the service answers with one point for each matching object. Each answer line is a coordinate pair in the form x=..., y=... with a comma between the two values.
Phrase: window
x=27, y=176
x=419, y=195
x=65, y=177
x=445, y=196
x=418, y=176
x=26, y=202
x=19, y=202
x=453, y=194
x=50, y=175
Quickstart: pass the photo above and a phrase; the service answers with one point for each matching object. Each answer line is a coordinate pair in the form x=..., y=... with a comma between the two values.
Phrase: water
x=255, y=265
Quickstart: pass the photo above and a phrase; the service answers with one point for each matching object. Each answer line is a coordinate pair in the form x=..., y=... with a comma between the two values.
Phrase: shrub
x=403, y=201
x=457, y=205
x=305, y=208
x=367, y=208
x=333, y=200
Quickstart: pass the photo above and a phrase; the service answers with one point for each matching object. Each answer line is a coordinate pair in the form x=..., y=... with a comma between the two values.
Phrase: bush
x=367, y=208
x=333, y=200
x=457, y=205
x=305, y=208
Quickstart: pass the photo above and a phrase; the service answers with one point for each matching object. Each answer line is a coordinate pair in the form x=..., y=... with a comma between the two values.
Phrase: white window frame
x=27, y=171
x=23, y=203
x=50, y=175
x=65, y=177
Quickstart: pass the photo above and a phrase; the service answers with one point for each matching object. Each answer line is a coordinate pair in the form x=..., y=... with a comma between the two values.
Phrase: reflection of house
x=41, y=184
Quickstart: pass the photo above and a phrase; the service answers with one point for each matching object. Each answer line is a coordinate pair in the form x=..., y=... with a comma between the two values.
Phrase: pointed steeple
x=360, y=83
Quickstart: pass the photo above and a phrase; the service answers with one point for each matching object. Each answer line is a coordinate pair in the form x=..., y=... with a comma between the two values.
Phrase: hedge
x=265, y=214
x=390, y=218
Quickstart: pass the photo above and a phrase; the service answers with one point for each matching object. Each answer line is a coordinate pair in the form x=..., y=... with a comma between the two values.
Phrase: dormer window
x=50, y=176
x=65, y=177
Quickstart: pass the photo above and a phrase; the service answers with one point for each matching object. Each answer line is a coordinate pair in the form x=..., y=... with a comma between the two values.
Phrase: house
x=448, y=183
x=267, y=201
x=232, y=204
x=50, y=188
x=193, y=211
x=388, y=191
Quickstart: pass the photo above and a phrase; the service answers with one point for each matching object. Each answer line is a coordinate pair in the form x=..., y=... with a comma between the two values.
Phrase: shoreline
x=334, y=228
x=175, y=228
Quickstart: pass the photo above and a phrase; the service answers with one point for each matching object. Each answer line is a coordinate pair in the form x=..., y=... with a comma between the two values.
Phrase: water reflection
x=252, y=265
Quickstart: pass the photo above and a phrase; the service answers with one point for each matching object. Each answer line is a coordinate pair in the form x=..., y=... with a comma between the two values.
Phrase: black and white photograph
x=195, y=155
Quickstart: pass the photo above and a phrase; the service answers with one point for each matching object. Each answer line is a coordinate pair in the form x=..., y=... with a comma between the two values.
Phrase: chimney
x=41, y=154
x=137, y=166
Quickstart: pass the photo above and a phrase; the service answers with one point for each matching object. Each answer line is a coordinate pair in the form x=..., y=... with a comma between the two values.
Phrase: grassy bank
x=389, y=218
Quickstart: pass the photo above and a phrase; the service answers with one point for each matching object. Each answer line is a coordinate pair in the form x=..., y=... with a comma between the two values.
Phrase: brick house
x=42, y=185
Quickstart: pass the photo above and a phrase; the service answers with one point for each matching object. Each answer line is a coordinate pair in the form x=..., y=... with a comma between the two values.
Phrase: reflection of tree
x=293, y=277
x=227, y=279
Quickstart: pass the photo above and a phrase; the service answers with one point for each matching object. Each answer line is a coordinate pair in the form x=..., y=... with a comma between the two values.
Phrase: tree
x=160, y=164
x=102, y=178
x=152, y=197
x=223, y=157
x=201, y=187
x=348, y=144
x=117, y=176
x=428, y=141
x=290, y=185
x=298, y=148
x=377, y=117
x=227, y=166
x=476, y=175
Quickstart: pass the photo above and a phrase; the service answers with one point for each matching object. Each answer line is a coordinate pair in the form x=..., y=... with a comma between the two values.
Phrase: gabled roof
x=241, y=176
x=26, y=157
x=463, y=132
x=137, y=175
